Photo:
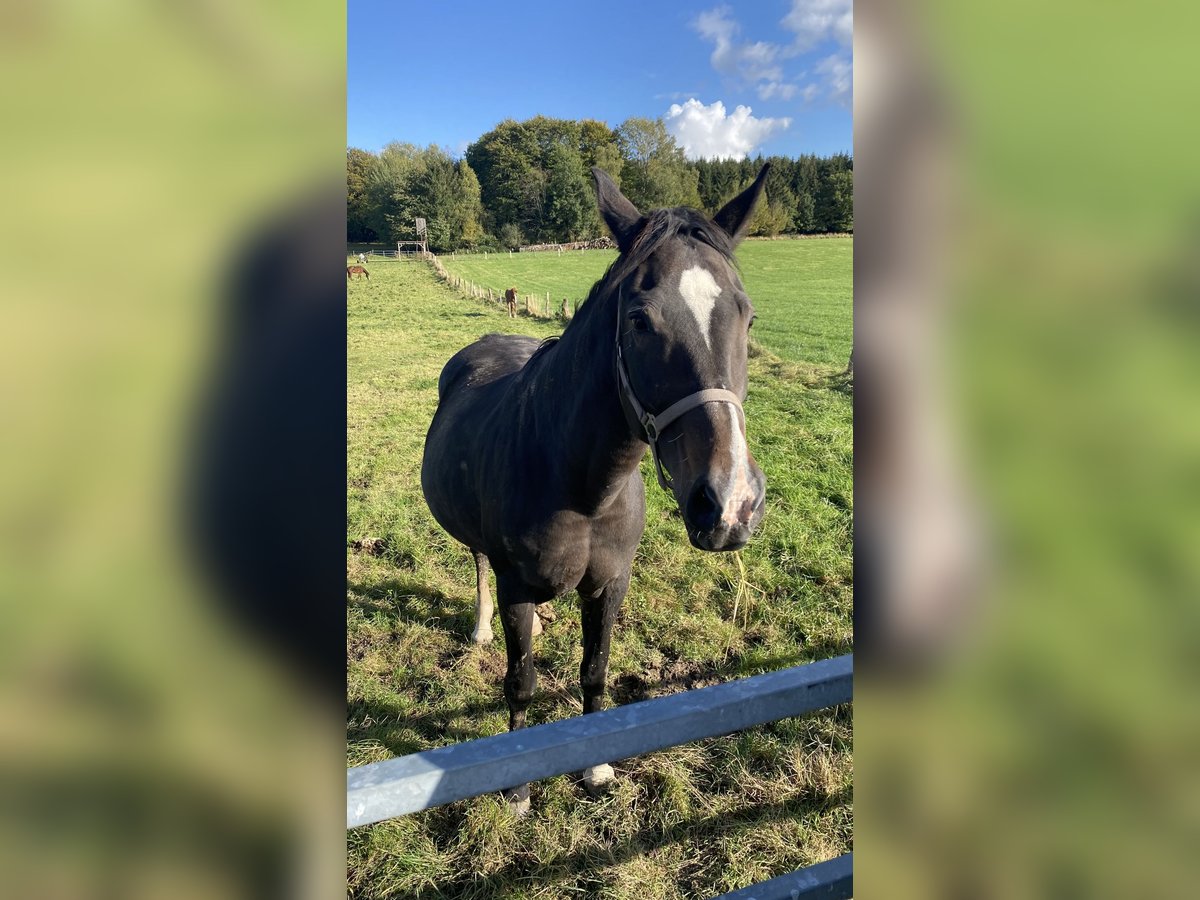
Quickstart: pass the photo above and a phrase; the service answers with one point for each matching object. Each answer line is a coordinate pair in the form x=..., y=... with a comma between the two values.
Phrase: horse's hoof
x=599, y=779
x=482, y=637
x=518, y=800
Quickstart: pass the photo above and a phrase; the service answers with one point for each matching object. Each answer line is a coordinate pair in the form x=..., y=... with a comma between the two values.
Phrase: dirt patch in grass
x=671, y=678
x=358, y=644
x=370, y=546
x=383, y=548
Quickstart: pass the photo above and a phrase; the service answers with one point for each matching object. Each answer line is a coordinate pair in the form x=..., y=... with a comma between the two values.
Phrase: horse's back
x=482, y=363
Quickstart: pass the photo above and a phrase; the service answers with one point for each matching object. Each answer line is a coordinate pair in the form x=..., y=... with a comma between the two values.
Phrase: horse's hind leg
x=483, y=601
x=484, y=607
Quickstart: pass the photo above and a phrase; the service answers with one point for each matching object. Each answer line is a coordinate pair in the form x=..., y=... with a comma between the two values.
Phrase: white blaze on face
x=739, y=488
x=700, y=290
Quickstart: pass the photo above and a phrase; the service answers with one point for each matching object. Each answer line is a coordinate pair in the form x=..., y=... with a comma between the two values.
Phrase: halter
x=653, y=425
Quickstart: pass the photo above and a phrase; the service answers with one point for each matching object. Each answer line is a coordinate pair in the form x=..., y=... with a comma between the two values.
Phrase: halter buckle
x=648, y=427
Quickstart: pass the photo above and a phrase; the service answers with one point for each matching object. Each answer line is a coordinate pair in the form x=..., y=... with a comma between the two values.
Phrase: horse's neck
x=588, y=422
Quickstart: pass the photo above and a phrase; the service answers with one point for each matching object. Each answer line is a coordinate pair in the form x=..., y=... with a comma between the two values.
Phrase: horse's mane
x=661, y=226
x=541, y=348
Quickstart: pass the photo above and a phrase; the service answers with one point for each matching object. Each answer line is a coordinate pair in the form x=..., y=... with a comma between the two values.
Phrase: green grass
x=693, y=821
x=802, y=289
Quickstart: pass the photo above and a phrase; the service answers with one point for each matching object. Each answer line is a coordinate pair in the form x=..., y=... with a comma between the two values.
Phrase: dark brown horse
x=351, y=271
x=511, y=296
x=655, y=356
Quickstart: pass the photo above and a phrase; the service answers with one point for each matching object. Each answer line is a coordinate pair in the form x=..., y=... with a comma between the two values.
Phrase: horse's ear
x=734, y=217
x=621, y=216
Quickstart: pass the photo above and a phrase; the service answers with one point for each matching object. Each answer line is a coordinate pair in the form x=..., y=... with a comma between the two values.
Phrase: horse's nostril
x=703, y=509
x=746, y=512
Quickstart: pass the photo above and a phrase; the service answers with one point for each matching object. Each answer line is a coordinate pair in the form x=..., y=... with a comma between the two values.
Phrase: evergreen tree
x=805, y=217
x=835, y=202
x=530, y=181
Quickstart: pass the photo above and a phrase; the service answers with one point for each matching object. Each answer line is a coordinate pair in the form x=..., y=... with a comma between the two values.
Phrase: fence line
x=831, y=879
x=594, y=244
x=397, y=787
x=533, y=305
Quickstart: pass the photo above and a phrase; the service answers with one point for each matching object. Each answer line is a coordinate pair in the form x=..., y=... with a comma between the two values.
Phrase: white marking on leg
x=739, y=488
x=598, y=777
x=700, y=291
x=483, y=612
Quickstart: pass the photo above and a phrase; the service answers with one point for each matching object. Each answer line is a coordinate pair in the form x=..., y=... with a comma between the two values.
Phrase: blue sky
x=729, y=79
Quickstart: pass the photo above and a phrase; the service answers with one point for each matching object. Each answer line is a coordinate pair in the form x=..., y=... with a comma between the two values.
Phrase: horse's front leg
x=517, y=604
x=599, y=612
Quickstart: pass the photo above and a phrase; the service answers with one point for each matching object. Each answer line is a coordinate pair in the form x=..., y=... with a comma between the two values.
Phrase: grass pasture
x=693, y=821
x=802, y=289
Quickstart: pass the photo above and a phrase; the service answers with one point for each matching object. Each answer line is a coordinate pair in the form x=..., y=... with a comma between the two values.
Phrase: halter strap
x=654, y=425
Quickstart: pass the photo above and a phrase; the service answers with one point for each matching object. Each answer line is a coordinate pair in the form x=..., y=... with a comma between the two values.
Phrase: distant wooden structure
x=421, y=243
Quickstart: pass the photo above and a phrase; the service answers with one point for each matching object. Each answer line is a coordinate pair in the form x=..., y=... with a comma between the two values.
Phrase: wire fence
x=536, y=305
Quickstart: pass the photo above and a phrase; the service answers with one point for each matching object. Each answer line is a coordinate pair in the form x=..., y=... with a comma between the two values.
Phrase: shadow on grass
x=842, y=382
x=515, y=877
x=413, y=600
x=685, y=675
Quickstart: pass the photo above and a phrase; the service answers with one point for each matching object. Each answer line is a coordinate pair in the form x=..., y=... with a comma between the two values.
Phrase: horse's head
x=681, y=334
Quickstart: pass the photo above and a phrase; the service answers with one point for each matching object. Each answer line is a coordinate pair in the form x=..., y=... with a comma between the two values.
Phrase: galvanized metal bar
x=419, y=781
x=833, y=880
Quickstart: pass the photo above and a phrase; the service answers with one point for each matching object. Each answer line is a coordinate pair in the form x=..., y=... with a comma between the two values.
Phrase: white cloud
x=753, y=62
x=706, y=131
x=814, y=21
x=839, y=77
x=818, y=25
x=777, y=89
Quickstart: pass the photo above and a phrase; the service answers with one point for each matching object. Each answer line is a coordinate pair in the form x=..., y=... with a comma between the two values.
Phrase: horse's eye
x=639, y=321
x=751, y=323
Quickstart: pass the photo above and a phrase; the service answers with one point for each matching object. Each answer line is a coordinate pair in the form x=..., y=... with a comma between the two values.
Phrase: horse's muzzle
x=719, y=523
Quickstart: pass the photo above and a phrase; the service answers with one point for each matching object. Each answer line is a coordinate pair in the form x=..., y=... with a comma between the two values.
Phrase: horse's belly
x=554, y=557
x=450, y=486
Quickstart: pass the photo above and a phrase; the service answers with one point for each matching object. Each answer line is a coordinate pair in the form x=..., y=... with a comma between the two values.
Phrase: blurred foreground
x=1027, y=319
x=1027, y=305
x=153, y=744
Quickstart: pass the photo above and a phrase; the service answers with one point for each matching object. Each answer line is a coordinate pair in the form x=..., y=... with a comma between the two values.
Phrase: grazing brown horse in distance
x=511, y=296
x=351, y=271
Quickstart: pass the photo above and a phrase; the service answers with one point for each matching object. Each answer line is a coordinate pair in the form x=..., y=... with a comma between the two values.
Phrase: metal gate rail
x=409, y=784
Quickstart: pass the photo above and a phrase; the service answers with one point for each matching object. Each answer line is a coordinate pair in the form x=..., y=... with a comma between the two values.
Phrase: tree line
x=530, y=182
